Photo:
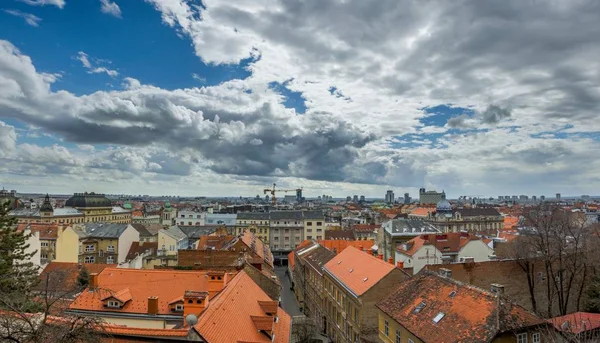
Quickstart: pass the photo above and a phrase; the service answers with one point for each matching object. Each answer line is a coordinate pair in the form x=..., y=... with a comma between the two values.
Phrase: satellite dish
x=191, y=319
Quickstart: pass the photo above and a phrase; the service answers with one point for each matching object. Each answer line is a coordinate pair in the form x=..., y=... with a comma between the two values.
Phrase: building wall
x=285, y=235
x=67, y=244
x=34, y=247
x=128, y=236
x=393, y=327
x=137, y=323
x=190, y=218
x=428, y=254
x=476, y=249
x=167, y=244
x=259, y=227
x=314, y=229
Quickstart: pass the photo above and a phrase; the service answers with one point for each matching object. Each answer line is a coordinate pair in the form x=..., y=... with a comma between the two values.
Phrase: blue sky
x=219, y=97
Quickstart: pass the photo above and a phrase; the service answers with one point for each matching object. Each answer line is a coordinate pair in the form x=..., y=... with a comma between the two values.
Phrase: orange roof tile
x=63, y=275
x=142, y=284
x=46, y=231
x=357, y=270
x=420, y=212
x=132, y=331
x=258, y=246
x=463, y=313
x=123, y=295
x=577, y=322
x=340, y=245
x=213, y=242
x=238, y=303
x=510, y=222
x=450, y=242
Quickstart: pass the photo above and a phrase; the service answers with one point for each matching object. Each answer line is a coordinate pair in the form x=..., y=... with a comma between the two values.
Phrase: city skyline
x=163, y=97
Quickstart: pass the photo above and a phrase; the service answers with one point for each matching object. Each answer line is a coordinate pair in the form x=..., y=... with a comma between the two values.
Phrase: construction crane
x=273, y=190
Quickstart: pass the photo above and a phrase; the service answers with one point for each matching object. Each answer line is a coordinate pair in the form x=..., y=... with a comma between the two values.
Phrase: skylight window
x=339, y=262
x=452, y=294
x=438, y=317
x=419, y=307
x=351, y=270
x=365, y=279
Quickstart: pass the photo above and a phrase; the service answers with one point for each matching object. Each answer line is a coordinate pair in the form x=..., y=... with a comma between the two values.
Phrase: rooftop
x=138, y=248
x=175, y=233
x=338, y=245
x=62, y=276
x=408, y=227
x=104, y=230
x=347, y=235
x=88, y=200
x=447, y=243
x=577, y=323
x=357, y=270
x=439, y=309
x=253, y=215
x=141, y=284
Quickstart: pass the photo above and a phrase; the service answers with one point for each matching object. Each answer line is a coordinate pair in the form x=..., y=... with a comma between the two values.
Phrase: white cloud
x=198, y=78
x=29, y=18
x=57, y=3
x=85, y=60
x=109, y=7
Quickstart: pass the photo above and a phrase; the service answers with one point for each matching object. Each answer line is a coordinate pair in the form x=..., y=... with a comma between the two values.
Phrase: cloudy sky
x=341, y=97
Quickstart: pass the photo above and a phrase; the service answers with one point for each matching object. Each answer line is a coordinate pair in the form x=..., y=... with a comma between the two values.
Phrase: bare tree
x=560, y=242
x=304, y=330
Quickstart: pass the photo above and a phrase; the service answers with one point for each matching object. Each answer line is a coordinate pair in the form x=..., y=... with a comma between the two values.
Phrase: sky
x=341, y=97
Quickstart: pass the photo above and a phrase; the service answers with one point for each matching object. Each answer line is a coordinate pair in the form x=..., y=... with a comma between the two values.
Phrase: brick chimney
x=153, y=305
x=400, y=265
x=390, y=260
x=216, y=280
x=380, y=256
x=93, y=284
x=194, y=302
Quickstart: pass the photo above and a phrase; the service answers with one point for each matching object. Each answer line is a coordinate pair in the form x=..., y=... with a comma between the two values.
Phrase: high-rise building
x=430, y=197
x=558, y=196
x=534, y=198
x=500, y=197
x=348, y=198
x=542, y=197
x=406, y=198
x=389, y=197
x=362, y=198
x=355, y=198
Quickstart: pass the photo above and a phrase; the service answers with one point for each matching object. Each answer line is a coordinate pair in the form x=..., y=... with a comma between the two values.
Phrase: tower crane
x=273, y=190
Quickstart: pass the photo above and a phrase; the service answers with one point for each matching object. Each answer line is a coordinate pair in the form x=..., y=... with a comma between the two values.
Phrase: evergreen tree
x=83, y=278
x=593, y=293
x=18, y=275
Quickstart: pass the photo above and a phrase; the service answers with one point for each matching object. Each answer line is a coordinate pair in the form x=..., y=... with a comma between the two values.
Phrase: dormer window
x=179, y=307
x=113, y=304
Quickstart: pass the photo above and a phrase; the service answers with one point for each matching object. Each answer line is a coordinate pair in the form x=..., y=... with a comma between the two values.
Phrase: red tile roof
x=340, y=245
x=577, y=322
x=138, y=248
x=421, y=212
x=213, y=242
x=357, y=270
x=46, y=231
x=258, y=246
x=451, y=242
x=365, y=228
x=464, y=313
x=142, y=284
x=62, y=276
x=238, y=313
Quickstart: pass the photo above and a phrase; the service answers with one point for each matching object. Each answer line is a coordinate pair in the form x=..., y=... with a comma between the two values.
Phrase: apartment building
x=256, y=222
x=286, y=230
x=314, y=224
x=190, y=218
x=432, y=308
x=353, y=282
x=397, y=231
x=106, y=243
x=171, y=240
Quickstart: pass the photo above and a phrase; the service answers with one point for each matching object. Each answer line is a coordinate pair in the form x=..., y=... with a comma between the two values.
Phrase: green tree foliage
x=83, y=278
x=18, y=275
x=593, y=293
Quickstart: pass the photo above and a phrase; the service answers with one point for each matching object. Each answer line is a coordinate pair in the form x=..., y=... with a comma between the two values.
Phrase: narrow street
x=288, y=299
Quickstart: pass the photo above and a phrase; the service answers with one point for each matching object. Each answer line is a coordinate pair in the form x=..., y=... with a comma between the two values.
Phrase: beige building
x=314, y=225
x=256, y=222
x=353, y=282
x=80, y=208
x=447, y=219
x=106, y=243
x=67, y=245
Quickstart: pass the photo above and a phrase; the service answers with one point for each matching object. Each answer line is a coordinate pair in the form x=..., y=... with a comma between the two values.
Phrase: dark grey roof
x=25, y=212
x=318, y=257
x=280, y=215
x=253, y=215
x=88, y=200
x=194, y=232
x=104, y=230
x=46, y=205
x=176, y=233
x=347, y=235
x=475, y=212
x=314, y=215
x=142, y=230
x=409, y=227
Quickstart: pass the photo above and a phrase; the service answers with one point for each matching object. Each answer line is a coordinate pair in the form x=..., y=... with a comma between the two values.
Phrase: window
x=522, y=337
x=89, y=248
x=44, y=256
x=172, y=247
x=114, y=304
x=386, y=328
x=308, y=237
x=179, y=307
x=319, y=223
x=535, y=338
x=189, y=223
x=101, y=253
x=308, y=230
x=319, y=237
x=410, y=341
x=89, y=259
x=397, y=336
x=110, y=248
x=308, y=223
x=276, y=238
x=319, y=230
x=181, y=223
x=110, y=259
x=43, y=244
